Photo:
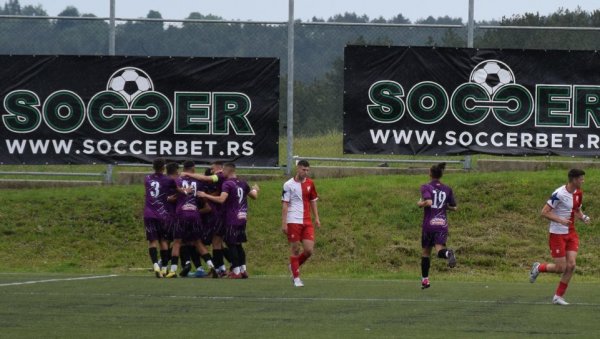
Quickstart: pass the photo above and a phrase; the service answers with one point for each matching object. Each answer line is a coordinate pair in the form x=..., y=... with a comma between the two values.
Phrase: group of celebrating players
x=186, y=212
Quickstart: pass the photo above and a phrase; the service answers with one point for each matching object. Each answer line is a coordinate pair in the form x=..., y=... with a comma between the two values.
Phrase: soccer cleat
x=451, y=259
x=245, y=275
x=425, y=283
x=213, y=273
x=298, y=282
x=221, y=273
x=234, y=276
x=535, y=271
x=185, y=270
x=157, y=271
x=171, y=275
x=559, y=301
x=198, y=274
x=163, y=271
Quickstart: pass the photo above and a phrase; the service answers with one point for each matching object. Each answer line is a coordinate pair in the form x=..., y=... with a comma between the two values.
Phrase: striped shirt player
x=562, y=210
x=299, y=199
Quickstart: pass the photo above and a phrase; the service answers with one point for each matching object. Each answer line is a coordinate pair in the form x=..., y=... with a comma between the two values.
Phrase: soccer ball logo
x=491, y=75
x=130, y=82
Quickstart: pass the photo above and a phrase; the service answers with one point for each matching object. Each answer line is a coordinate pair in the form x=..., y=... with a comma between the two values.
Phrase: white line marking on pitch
x=288, y=299
x=57, y=279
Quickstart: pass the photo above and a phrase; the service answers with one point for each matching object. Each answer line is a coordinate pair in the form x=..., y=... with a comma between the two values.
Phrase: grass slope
x=371, y=228
x=136, y=306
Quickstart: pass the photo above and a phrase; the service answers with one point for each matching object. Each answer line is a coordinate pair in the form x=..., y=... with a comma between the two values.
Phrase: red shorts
x=299, y=232
x=561, y=243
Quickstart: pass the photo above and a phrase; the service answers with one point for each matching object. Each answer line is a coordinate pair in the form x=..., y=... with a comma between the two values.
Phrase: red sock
x=562, y=288
x=295, y=265
x=542, y=267
x=302, y=258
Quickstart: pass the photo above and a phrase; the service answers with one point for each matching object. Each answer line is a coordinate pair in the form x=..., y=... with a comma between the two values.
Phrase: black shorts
x=432, y=238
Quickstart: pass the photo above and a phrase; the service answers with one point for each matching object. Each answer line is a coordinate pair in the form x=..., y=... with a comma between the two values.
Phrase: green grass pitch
x=138, y=306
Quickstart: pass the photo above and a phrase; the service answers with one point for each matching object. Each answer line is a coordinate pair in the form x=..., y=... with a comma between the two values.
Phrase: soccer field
x=60, y=305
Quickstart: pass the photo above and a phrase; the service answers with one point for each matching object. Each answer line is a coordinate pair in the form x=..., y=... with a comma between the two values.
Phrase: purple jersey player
x=214, y=180
x=188, y=227
x=157, y=187
x=234, y=193
x=436, y=200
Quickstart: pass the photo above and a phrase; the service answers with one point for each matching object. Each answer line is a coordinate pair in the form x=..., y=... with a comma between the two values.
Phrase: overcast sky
x=276, y=10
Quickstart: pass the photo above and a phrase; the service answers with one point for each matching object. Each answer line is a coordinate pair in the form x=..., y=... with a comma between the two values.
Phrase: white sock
x=173, y=268
x=156, y=266
x=243, y=268
x=236, y=270
x=210, y=264
x=222, y=268
x=199, y=269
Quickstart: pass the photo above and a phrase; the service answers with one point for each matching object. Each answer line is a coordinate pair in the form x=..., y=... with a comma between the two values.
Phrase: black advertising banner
x=428, y=101
x=98, y=109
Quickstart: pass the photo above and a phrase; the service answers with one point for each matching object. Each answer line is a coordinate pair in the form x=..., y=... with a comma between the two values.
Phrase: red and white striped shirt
x=299, y=195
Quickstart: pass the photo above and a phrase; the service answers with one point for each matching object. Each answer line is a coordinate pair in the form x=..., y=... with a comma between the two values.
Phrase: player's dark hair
x=188, y=164
x=172, y=168
x=208, y=172
x=575, y=173
x=229, y=165
x=218, y=163
x=158, y=164
x=437, y=170
x=303, y=163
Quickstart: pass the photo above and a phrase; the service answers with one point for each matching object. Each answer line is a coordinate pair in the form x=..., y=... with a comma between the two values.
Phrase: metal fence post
x=471, y=24
x=290, y=91
x=467, y=165
x=108, y=176
x=112, y=29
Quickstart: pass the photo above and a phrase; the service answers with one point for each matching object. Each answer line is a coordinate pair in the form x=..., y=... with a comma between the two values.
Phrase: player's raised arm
x=201, y=177
x=547, y=212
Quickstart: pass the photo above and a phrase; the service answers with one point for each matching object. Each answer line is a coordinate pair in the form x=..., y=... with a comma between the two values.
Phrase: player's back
x=441, y=196
x=157, y=187
x=236, y=205
x=188, y=203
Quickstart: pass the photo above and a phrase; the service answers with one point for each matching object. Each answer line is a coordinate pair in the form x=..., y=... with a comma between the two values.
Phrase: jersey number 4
x=439, y=199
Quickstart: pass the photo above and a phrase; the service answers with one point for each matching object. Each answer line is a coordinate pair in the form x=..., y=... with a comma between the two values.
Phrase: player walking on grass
x=299, y=198
x=234, y=193
x=562, y=209
x=436, y=200
x=157, y=187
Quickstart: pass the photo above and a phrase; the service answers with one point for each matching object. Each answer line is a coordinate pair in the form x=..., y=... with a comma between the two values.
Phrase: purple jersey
x=158, y=188
x=188, y=203
x=434, y=217
x=235, y=208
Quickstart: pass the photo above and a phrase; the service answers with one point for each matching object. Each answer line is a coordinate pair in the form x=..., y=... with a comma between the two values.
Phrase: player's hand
x=284, y=229
x=255, y=188
x=586, y=219
x=317, y=222
x=564, y=221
